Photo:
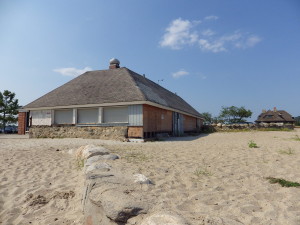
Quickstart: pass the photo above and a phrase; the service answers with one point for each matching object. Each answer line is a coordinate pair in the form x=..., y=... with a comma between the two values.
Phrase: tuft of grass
x=283, y=182
x=236, y=130
x=289, y=151
x=136, y=157
x=273, y=129
x=296, y=138
x=202, y=172
x=252, y=144
x=80, y=163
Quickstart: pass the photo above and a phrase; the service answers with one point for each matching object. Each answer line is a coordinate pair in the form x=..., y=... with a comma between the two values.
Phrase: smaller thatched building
x=275, y=116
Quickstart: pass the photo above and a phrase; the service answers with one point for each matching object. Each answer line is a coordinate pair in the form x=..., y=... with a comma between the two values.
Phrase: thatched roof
x=111, y=86
x=276, y=116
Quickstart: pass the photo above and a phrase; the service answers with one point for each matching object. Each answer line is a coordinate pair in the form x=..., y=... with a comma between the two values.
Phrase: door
x=177, y=124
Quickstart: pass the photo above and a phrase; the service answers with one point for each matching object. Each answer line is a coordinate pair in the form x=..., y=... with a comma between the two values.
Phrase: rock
x=99, y=166
x=164, y=218
x=88, y=151
x=141, y=179
x=97, y=158
x=219, y=125
x=110, y=157
x=117, y=204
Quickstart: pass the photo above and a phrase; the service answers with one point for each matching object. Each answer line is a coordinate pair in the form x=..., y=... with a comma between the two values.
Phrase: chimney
x=114, y=63
x=275, y=110
x=264, y=111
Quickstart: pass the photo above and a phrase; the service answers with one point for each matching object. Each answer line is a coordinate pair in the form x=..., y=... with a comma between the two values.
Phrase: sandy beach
x=215, y=175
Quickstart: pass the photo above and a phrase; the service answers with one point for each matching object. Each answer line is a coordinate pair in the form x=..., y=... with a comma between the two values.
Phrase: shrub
x=252, y=144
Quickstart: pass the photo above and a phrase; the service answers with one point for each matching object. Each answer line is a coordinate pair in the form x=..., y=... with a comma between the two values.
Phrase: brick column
x=22, y=123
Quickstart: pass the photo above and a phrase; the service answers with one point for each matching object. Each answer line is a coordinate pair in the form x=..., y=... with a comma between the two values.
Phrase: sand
x=215, y=175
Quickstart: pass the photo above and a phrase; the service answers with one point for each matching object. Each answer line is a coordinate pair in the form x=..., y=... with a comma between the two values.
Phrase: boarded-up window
x=87, y=115
x=63, y=116
x=115, y=114
x=41, y=117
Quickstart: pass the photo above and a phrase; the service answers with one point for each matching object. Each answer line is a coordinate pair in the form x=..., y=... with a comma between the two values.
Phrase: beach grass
x=283, y=182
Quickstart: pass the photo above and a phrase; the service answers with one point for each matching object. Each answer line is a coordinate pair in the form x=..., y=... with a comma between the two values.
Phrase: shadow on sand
x=185, y=138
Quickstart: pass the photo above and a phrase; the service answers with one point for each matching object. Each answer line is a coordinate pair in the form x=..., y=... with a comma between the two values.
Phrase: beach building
x=275, y=116
x=117, y=97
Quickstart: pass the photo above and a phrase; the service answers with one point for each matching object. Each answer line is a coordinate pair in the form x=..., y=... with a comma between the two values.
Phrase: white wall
x=41, y=117
x=135, y=115
x=132, y=114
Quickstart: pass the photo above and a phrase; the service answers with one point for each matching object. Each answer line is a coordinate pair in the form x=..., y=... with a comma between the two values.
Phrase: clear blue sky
x=212, y=53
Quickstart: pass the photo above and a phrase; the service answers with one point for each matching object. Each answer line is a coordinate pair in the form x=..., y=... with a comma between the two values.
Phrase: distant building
x=112, y=98
x=275, y=116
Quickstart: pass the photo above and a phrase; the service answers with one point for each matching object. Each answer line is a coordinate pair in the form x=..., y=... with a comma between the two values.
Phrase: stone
x=85, y=152
x=99, y=166
x=96, y=158
x=141, y=179
x=117, y=204
x=110, y=157
x=116, y=133
x=219, y=125
x=164, y=218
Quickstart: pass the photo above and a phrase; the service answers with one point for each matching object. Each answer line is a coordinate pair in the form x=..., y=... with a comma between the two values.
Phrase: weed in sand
x=80, y=163
x=274, y=129
x=202, y=171
x=252, y=144
x=136, y=157
x=296, y=138
x=283, y=182
x=289, y=151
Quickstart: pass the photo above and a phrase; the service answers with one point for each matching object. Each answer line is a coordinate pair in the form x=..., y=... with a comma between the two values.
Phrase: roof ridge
x=156, y=84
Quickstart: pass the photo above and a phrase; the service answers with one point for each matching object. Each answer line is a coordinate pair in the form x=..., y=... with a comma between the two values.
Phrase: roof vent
x=114, y=63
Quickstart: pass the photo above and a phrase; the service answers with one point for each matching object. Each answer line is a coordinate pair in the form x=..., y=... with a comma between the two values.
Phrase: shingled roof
x=276, y=116
x=111, y=86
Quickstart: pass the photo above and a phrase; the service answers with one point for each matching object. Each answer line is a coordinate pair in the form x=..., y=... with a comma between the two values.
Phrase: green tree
x=234, y=114
x=8, y=108
x=297, y=119
x=207, y=117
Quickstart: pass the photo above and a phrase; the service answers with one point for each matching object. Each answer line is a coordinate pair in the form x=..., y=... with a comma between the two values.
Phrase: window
x=86, y=116
x=115, y=114
x=64, y=116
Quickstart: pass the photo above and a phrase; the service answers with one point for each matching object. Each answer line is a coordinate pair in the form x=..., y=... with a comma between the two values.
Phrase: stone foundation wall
x=226, y=127
x=113, y=133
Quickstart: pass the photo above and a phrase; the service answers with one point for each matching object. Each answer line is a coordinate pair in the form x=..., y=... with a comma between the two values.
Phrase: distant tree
x=8, y=108
x=217, y=119
x=207, y=117
x=297, y=123
x=234, y=114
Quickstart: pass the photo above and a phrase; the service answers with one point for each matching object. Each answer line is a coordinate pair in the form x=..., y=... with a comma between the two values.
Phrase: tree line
x=231, y=114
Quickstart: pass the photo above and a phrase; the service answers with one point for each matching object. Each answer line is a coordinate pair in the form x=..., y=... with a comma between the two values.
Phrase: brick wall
x=21, y=122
